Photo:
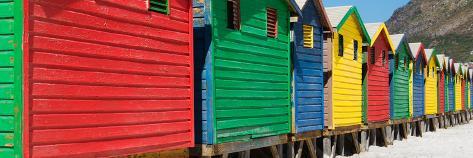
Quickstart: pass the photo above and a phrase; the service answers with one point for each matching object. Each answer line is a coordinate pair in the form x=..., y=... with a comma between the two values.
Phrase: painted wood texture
x=247, y=81
x=400, y=82
x=419, y=86
x=470, y=94
x=11, y=103
x=431, y=102
x=308, y=73
x=411, y=88
x=378, y=80
x=107, y=78
x=451, y=93
x=441, y=92
x=346, y=87
x=463, y=85
x=458, y=92
x=328, y=81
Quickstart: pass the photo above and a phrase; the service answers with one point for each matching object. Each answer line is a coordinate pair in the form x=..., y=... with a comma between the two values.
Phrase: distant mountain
x=444, y=24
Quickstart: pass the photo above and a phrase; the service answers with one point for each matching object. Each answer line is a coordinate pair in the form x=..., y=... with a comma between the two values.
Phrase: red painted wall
x=107, y=77
x=378, y=81
x=441, y=92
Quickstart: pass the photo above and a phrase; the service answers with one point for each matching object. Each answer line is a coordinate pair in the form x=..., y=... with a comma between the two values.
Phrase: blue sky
x=370, y=10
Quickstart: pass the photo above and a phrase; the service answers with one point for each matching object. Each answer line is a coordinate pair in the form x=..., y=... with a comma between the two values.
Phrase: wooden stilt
x=290, y=150
x=312, y=145
x=364, y=141
x=275, y=152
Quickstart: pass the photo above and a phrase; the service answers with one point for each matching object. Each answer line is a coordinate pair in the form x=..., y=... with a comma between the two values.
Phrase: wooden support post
x=275, y=152
x=408, y=129
x=364, y=141
x=355, y=142
x=245, y=154
x=341, y=144
x=389, y=134
x=420, y=125
x=334, y=147
x=385, y=136
x=300, y=147
x=290, y=150
x=327, y=141
x=225, y=156
x=312, y=146
x=373, y=136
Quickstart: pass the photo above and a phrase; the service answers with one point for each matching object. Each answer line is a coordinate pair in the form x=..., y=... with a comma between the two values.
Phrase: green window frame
x=160, y=6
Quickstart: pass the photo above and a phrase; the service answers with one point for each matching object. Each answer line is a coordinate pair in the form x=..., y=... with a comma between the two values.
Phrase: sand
x=454, y=142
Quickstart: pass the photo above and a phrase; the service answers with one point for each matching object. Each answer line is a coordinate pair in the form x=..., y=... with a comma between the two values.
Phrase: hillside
x=444, y=24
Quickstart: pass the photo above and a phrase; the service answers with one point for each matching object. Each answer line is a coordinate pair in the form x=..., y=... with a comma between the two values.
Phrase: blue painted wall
x=391, y=85
x=451, y=94
x=202, y=62
x=308, y=73
x=419, y=102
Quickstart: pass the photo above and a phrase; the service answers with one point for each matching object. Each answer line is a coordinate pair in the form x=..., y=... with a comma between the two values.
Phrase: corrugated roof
x=397, y=39
x=372, y=28
x=415, y=47
x=336, y=14
x=441, y=60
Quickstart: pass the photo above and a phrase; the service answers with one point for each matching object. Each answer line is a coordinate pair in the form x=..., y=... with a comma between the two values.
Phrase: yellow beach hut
x=431, y=80
x=458, y=86
x=343, y=106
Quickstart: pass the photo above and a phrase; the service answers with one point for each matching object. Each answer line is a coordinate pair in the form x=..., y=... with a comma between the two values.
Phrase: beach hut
x=376, y=71
x=400, y=78
x=459, y=101
x=441, y=84
x=343, y=106
x=431, y=80
x=418, y=52
x=243, y=69
x=103, y=78
x=451, y=85
x=470, y=75
x=465, y=86
x=309, y=31
x=11, y=102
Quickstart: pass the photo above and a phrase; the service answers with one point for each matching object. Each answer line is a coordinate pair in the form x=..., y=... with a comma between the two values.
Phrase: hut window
x=340, y=45
x=405, y=62
x=372, y=55
x=308, y=36
x=428, y=72
x=233, y=14
x=396, y=61
x=355, y=50
x=160, y=6
x=272, y=22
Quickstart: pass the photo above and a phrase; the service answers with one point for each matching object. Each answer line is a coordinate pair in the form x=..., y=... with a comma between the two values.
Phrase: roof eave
x=353, y=10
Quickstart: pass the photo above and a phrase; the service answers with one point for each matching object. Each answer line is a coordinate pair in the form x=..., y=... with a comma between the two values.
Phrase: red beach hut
x=107, y=77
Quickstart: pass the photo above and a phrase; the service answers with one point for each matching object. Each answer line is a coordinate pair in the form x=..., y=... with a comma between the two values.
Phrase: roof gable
x=327, y=26
x=375, y=29
x=294, y=7
x=416, y=50
x=339, y=15
x=441, y=61
x=431, y=54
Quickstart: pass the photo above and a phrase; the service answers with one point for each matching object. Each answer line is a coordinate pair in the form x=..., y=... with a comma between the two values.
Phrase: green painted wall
x=251, y=72
x=10, y=78
x=401, y=75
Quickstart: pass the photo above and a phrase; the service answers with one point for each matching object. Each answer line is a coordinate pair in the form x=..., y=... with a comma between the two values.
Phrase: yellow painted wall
x=411, y=89
x=458, y=93
x=346, y=87
x=469, y=94
x=431, y=105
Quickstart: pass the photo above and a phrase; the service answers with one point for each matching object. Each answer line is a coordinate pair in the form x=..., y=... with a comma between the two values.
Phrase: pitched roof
x=457, y=67
x=431, y=54
x=320, y=7
x=417, y=48
x=339, y=15
x=375, y=29
x=294, y=7
x=470, y=73
x=441, y=60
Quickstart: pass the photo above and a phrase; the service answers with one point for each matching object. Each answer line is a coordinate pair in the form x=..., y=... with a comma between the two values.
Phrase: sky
x=370, y=10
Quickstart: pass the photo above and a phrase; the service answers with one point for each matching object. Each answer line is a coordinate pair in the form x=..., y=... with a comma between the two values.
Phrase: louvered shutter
x=272, y=22
x=308, y=36
x=372, y=55
x=233, y=14
x=160, y=6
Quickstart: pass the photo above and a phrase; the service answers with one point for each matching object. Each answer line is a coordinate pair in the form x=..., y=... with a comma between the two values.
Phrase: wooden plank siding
x=431, y=102
x=328, y=80
x=111, y=67
x=458, y=92
x=441, y=92
x=346, y=83
x=451, y=92
x=308, y=72
x=245, y=75
x=11, y=103
x=419, y=86
x=378, y=79
x=400, y=81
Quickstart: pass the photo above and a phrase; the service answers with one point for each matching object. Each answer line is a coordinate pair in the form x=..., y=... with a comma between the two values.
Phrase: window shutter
x=384, y=57
x=355, y=50
x=396, y=62
x=233, y=14
x=160, y=6
x=308, y=36
x=340, y=45
x=272, y=22
x=373, y=55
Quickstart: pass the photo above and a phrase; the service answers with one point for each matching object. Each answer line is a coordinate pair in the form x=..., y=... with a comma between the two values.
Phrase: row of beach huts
x=203, y=78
